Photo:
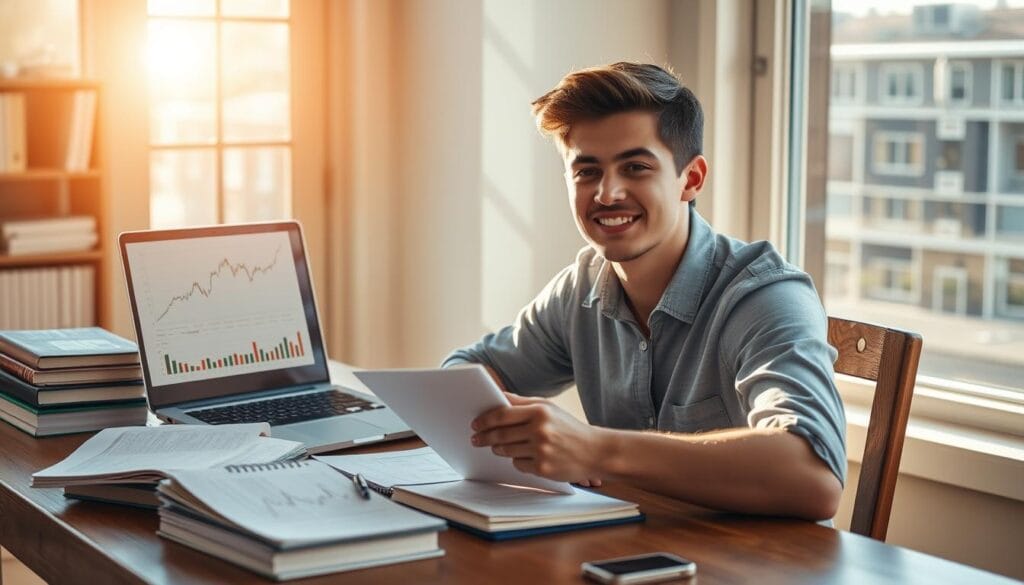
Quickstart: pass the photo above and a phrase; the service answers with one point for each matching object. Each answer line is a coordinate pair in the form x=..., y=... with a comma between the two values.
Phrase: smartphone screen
x=637, y=564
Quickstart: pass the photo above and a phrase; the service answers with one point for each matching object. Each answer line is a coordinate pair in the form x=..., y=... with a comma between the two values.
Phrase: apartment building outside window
x=924, y=194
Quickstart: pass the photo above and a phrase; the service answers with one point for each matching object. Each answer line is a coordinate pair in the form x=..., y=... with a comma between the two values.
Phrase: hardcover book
x=44, y=349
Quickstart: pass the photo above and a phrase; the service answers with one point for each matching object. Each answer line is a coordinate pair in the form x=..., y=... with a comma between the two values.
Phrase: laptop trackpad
x=321, y=432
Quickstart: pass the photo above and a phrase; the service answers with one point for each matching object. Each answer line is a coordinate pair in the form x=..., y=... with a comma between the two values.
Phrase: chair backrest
x=889, y=358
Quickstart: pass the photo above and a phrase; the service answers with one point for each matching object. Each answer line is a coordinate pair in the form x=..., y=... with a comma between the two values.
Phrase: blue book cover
x=525, y=532
x=68, y=348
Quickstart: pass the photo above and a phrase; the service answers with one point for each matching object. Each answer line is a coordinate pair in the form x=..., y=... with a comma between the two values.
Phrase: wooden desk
x=67, y=541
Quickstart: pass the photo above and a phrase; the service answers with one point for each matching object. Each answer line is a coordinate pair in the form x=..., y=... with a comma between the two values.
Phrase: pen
x=361, y=487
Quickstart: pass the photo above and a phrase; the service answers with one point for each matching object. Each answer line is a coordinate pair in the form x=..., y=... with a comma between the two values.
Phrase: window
x=902, y=83
x=934, y=239
x=1011, y=83
x=959, y=85
x=889, y=279
x=899, y=153
x=220, y=120
x=845, y=78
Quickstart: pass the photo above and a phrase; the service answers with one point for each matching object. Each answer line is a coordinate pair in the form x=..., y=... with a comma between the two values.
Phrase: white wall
x=484, y=218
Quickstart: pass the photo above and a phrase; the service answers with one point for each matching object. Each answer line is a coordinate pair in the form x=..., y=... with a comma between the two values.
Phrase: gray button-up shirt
x=739, y=339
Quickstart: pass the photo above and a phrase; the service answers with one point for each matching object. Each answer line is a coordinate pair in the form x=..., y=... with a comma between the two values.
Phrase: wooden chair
x=889, y=358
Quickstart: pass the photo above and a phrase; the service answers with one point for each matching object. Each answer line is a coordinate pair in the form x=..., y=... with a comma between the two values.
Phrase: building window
x=890, y=279
x=959, y=85
x=845, y=78
x=902, y=83
x=899, y=153
x=1011, y=83
x=1010, y=302
x=220, y=114
x=1018, y=158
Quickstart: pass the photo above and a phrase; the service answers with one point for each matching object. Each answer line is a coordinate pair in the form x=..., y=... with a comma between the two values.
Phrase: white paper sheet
x=410, y=467
x=440, y=405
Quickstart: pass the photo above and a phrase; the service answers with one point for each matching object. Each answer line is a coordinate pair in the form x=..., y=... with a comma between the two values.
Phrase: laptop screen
x=222, y=310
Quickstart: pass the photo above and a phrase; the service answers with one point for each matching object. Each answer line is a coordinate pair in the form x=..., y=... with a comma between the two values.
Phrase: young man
x=663, y=325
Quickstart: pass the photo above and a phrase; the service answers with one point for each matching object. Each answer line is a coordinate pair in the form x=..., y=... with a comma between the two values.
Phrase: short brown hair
x=590, y=94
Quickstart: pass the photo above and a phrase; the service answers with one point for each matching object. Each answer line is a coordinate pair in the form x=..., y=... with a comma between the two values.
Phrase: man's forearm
x=760, y=471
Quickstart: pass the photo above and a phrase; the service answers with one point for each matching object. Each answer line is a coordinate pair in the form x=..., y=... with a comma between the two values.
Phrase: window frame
x=219, y=145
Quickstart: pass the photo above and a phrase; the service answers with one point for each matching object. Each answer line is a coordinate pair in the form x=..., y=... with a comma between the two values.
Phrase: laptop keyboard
x=287, y=410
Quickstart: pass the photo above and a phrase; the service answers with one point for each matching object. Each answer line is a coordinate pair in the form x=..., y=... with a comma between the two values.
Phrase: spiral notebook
x=291, y=519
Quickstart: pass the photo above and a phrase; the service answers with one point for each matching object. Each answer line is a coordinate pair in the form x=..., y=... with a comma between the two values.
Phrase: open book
x=421, y=479
x=291, y=519
x=144, y=455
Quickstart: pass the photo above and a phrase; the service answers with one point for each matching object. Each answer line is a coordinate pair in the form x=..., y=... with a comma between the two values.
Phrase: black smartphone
x=648, y=568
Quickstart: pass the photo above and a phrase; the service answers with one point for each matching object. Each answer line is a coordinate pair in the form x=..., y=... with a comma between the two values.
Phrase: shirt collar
x=685, y=291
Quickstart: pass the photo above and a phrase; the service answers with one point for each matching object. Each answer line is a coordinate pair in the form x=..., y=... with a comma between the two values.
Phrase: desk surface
x=68, y=541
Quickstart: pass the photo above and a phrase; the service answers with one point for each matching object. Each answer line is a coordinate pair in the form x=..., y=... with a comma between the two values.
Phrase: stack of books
x=57, y=381
x=291, y=520
x=48, y=235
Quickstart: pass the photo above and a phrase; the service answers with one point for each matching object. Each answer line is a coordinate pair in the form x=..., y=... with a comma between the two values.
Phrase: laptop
x=228, y=332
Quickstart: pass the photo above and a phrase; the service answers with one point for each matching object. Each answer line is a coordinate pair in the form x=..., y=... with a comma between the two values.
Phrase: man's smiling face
x=626, y=195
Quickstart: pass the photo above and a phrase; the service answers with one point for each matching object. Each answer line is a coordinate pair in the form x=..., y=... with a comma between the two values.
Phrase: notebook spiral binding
x=254, y=467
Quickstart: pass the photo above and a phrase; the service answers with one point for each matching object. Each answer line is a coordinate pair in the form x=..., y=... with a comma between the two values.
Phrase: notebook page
x=499, y=500
x=124, y=449
x=410, y=467
x=298, y=503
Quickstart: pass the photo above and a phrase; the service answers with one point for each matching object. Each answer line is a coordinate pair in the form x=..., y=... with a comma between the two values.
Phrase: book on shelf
x=291, y=520
x=83, y=119
x=49, y=244
x=70, y=376
x=138, y=495
x=68, y=348
x=144, y=455
x=41, y=396
x=44, y=421
x=13, y=134
x=495, y=511
x=47, y=226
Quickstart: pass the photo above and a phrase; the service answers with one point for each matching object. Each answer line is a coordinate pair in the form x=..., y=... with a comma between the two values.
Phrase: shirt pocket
x=704, y=415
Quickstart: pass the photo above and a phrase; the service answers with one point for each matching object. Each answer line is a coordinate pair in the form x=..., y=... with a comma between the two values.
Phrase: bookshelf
x=47, y=188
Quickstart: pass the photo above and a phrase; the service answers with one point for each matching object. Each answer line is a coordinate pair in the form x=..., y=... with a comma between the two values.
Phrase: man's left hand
x=541, y=438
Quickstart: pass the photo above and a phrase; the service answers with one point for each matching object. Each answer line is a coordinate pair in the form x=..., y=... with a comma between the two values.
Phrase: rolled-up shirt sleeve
x=776, y=340
x=531, y=356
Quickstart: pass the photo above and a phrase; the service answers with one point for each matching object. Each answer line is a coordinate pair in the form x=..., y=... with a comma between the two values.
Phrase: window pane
x=183, y=188
x=930, y=236
x=256, y=79
x=182, y=7
x=182, y=82
x=255, y=8
x=257, y=184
